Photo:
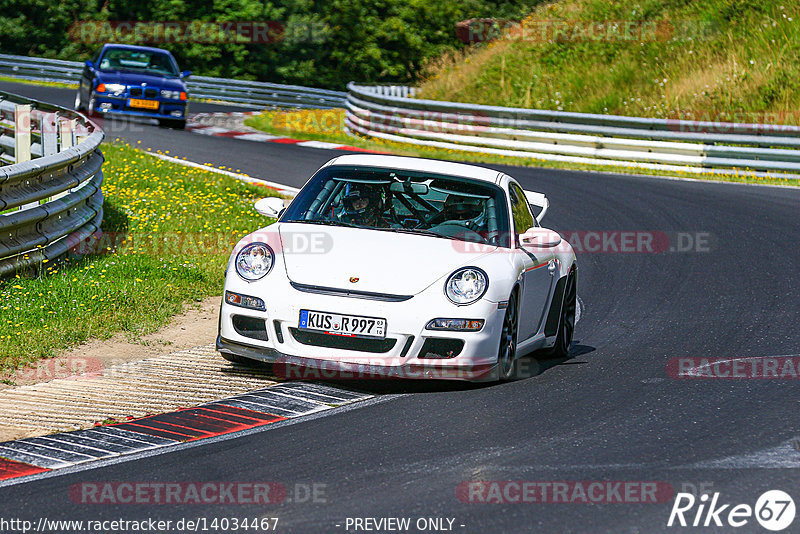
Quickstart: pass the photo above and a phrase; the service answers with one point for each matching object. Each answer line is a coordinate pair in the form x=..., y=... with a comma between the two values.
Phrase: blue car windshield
x=149, y=62
x=404, y=201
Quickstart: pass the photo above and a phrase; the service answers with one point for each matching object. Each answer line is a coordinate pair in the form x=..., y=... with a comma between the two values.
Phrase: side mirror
x=540, y=238
x=270, y=206
x=186, y=74
x=89, y=64
x=538, y=200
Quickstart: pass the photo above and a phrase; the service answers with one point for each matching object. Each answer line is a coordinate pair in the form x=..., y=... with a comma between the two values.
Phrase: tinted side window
x=520, y=211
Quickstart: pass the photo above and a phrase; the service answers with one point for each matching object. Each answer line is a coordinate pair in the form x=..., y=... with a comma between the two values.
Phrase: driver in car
x=462, y=210
x=364, y=205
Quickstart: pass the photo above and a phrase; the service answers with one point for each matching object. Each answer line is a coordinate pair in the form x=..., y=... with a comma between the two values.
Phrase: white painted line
x=209, y=130
x=318, y=144
x=256, y=137
x=286, y=189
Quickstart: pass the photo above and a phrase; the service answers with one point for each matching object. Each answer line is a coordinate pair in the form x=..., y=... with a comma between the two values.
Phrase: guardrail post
x=22, y=132
x=65, y=129
x=22, y=139
x=49, y=123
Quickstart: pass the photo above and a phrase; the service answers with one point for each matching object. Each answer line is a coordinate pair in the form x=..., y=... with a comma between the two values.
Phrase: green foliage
x=723, y=60
x=327, y=43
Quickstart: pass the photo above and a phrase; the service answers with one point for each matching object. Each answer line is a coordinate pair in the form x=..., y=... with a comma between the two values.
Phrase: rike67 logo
x=774, y=510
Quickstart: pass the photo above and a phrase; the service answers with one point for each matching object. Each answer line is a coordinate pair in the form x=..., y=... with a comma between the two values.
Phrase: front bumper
x=114, y=105
x=292, y=367
x=404, y=355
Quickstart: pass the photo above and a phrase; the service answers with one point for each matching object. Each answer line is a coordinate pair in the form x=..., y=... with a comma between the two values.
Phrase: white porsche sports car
x=400, y=267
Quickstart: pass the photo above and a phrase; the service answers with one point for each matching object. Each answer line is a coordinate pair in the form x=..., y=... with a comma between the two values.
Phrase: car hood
x=381, y=261
x=137, y=78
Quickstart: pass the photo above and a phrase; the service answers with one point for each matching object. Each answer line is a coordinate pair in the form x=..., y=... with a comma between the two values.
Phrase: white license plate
x=342, y=325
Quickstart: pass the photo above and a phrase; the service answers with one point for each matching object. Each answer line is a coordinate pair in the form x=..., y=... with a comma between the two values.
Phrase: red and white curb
x=242, y=412
x=195, y=125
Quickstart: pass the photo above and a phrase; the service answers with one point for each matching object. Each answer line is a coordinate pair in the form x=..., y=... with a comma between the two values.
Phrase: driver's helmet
x=462, y=208
x=363, y=203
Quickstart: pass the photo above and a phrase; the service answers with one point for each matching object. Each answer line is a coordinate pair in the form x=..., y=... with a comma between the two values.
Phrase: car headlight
x=466, y=285
x=254, y=261
x=114, y=88
x=166, y=93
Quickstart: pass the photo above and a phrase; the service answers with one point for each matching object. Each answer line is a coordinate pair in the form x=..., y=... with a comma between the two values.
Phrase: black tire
x=566, y=323
x=89, y=109
x=507, y=352
x=175, y=124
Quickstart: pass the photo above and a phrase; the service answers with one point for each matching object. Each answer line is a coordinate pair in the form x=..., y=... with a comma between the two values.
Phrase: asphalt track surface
x=609, y=412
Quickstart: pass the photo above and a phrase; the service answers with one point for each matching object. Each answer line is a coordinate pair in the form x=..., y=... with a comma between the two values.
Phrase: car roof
x=135, y=47
x=419, y=164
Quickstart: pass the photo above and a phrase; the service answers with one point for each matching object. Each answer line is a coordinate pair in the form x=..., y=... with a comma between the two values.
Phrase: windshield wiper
x=326, y=222
x=419, y=232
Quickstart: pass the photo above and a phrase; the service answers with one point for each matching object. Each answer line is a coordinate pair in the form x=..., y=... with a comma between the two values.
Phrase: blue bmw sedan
x=135, y=81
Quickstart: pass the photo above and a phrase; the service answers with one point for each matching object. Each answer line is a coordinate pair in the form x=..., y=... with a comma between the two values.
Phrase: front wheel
x=78, y=104
x=507, y=353
x=90, y=112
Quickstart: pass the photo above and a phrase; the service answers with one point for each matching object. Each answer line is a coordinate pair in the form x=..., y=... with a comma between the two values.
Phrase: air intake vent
x=251, y=327
x=436, y=348
x=342, y=342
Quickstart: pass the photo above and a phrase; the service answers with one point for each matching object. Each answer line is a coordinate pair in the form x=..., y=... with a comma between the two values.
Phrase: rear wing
x=538, y=200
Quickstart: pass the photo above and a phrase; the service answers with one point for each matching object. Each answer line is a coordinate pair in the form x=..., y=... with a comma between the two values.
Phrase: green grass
x=713, y=59
x=179, y=224
x=328, y=125
x=39, y=82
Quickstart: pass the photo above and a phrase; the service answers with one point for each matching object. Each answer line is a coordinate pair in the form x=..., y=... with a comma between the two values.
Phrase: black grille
x=250, y=327
x=278, y=331
x=151, y=93
x=342, y=342
x=136, y=91
x=438, y=348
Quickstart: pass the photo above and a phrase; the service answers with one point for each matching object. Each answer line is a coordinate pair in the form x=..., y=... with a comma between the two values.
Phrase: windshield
x=150, y=62
x=403, y=201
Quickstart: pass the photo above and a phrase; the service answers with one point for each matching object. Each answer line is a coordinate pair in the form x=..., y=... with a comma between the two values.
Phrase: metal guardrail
x=50, y=195
x=663, y=144
x=200, y=87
